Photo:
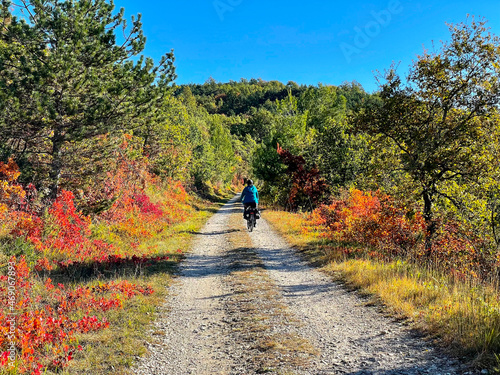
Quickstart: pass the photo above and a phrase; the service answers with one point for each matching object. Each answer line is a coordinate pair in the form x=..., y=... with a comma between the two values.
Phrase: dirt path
x=246, y=304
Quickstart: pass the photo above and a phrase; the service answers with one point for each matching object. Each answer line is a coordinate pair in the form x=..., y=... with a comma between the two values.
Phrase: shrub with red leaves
x=308, y=188
x=45, y=330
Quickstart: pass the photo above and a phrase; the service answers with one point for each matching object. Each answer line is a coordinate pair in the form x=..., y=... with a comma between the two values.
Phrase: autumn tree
x=439, y=119
x=307, y=187
x=71, y=70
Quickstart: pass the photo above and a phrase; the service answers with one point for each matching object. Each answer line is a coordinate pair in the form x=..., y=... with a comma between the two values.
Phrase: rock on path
x=193, y=335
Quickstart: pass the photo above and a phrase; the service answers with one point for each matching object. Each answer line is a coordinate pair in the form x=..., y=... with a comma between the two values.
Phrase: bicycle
x=251, y=217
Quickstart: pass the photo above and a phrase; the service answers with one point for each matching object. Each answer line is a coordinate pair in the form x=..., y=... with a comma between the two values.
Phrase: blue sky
x=303, y=41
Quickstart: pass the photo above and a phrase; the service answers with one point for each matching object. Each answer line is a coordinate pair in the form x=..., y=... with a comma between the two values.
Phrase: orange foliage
x=11, y=194
x=133, y=215
x=63, y=234
x=372, y=224
x=371, y=219
x=62, y=238
x=45, y=331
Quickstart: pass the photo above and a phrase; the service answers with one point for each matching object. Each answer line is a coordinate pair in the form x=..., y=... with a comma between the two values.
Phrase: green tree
x=339, y=154
x=290, y=126
x=224, y=156
x=166, y=135
x=440, y=119
x=244, y=150
x=260, y=126
x=64, y=76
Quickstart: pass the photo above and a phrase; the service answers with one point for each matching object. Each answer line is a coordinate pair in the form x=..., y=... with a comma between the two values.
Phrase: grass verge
x=464, y=317
x=259, y=317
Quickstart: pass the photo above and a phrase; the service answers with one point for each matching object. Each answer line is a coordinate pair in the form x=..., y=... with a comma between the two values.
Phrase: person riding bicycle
x=250, y=196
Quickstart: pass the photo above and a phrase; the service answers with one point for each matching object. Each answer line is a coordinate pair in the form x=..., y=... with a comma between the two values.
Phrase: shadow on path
x=216, y=233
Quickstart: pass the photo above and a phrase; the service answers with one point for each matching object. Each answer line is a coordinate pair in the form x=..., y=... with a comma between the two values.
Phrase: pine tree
x=66, y=76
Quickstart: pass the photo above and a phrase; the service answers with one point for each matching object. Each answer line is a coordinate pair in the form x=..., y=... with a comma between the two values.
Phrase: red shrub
x=308, y=187
x=146, y=206
x=45, y=330
x=373, y=220
x=380, y=228
x=49, y=316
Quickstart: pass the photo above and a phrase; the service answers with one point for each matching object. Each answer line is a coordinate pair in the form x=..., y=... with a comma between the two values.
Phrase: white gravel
x=353, y=338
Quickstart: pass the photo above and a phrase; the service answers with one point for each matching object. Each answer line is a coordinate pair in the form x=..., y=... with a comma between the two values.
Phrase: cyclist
x=250, y=196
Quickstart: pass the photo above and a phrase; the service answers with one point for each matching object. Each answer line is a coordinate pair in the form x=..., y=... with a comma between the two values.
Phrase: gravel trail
x=193, y=323
x=351, y=338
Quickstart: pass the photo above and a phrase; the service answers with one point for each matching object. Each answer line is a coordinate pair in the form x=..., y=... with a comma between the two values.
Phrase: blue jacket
x=250, y=195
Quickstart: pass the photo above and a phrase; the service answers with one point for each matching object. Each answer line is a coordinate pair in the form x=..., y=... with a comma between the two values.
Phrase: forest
x=102, y=154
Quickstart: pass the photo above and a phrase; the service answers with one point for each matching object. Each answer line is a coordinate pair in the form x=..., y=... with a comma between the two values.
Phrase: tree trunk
x=145, y=143
x=56, y=165
x=429, y=222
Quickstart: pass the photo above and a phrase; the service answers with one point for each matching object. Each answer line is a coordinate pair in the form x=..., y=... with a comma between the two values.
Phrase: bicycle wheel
x=251, y=222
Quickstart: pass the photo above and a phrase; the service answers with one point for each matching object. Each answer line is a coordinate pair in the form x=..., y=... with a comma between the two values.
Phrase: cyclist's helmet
x=249, y=182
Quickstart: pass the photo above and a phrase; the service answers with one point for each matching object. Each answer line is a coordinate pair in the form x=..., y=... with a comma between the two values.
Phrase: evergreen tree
x=65, y=77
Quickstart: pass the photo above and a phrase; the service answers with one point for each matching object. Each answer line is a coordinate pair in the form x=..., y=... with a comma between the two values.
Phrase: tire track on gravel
x=193, y=339
x=259, y=320
x=196, y=332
